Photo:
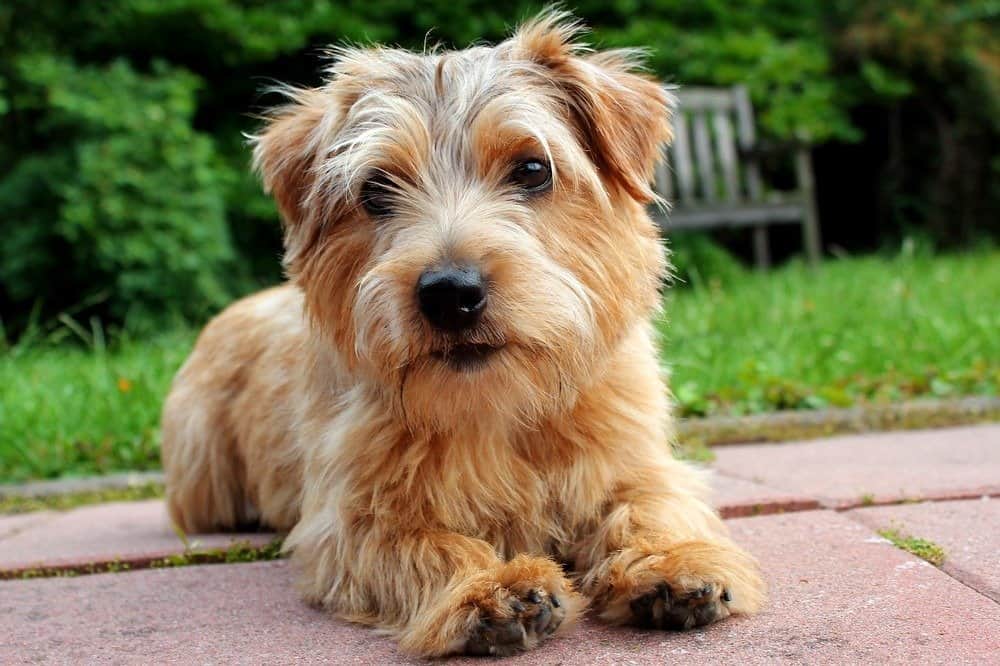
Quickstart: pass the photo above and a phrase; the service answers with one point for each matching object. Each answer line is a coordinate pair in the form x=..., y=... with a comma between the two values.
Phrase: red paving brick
x=885, y=467
x=968, y=531
x=15, y=524
x=119, y=531
x=838, y=595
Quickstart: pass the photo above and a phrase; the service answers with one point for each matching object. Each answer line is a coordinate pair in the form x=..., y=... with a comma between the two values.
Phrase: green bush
x=124, y=202
x=124, y=182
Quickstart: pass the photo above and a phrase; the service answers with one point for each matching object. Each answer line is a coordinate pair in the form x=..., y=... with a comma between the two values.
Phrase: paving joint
x=931, y=498
x=239, y=552
x=89, y=484
x=797, y=425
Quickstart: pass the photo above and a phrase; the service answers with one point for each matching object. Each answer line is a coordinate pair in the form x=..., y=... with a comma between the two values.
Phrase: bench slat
x=747, y=139
x=729, y=216
x=662, y=181
x=703, y=157
x=681, y=154
x=726, y=146
x=706, y=98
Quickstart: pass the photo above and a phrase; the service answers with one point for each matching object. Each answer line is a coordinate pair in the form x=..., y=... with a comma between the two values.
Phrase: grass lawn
x=866, y=329
x=70, y=410
x=857, y=330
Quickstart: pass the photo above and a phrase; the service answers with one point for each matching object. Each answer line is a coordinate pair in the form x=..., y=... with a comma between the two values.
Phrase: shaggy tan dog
x=459, y=387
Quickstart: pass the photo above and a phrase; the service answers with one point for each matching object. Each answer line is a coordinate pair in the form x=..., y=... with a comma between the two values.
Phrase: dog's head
x=469, y=227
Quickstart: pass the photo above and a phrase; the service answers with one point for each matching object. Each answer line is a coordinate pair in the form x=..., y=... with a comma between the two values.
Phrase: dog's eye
x=376, y=196
x=532, y=175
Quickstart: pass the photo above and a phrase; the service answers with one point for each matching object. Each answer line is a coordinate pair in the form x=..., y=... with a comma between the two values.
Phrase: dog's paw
x=663, y=608
x=683, y=586
x=530, y=599
x=518, y=623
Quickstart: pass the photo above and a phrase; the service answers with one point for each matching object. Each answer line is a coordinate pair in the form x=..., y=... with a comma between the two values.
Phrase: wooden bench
x=712, y=176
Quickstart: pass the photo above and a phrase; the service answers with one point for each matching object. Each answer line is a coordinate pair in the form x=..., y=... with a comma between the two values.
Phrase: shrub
x=124, y=186
x=122, y=202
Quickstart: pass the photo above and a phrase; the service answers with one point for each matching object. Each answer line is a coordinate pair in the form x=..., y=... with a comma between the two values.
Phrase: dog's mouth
x=467, y=356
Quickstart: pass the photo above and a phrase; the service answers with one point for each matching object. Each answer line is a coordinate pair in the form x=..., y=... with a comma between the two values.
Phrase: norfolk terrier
x=454, y=407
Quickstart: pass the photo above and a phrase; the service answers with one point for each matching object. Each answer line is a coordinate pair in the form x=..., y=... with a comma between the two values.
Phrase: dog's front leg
x=660, y=557
x=495, y=610
x=439, y=592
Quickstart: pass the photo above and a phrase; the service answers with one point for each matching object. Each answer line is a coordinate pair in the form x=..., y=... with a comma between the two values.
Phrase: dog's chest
x=535, y=501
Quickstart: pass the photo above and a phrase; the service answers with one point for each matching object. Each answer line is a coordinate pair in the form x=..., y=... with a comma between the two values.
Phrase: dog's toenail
x=726, y=596
x=517, y=606
x=555, y=601
x=534, y=597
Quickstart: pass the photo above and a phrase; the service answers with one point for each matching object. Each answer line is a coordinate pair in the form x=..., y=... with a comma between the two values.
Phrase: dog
x=454, y=407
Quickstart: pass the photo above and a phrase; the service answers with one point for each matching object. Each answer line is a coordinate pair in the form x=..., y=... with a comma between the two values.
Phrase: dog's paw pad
x=531, y=617
x=664, y=608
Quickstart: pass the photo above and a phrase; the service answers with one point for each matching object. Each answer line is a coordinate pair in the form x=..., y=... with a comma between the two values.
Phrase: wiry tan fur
x=430, y=502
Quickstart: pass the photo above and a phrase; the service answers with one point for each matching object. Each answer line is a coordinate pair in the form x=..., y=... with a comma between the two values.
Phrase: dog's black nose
x=452, y=298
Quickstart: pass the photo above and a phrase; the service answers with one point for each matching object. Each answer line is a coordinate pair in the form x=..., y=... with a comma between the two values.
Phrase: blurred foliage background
x=124, y=183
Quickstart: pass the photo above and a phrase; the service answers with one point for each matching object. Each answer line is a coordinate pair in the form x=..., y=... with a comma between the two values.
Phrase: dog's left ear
x=285, y=154
x=623, y=116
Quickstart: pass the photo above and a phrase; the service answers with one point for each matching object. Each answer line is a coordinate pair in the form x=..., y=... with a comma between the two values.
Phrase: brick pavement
x=839, y=593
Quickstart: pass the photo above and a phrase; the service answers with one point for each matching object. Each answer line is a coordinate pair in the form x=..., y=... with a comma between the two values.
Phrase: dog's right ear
x=285, y=154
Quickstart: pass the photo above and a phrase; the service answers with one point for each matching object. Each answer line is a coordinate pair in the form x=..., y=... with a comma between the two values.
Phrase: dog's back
x=228, y=399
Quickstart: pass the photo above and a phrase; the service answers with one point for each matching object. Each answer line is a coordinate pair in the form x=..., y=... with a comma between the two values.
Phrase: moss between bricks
x=239, y=551
x=922, y=548
x=796, y=425
x=236, y=552
x=20, y=504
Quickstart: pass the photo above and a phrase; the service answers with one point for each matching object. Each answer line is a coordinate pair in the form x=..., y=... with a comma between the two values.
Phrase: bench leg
x=761, y=250
x=810, y=236
x=810, y=221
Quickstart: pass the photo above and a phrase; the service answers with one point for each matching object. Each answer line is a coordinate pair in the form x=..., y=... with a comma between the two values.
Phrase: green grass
x=856, y=330
x=71, y=410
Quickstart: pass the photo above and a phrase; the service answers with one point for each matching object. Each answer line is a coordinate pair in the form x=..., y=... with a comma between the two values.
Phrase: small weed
x=922, y=548
x=867, y=499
